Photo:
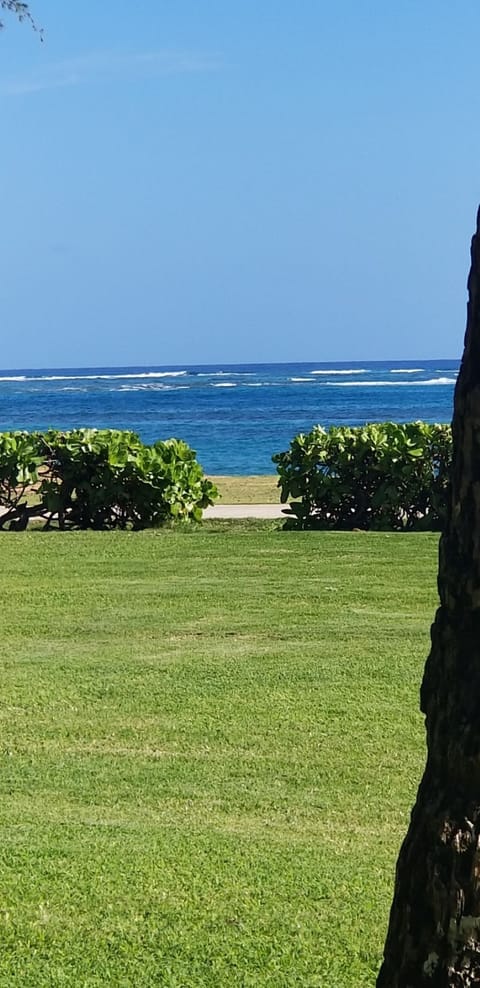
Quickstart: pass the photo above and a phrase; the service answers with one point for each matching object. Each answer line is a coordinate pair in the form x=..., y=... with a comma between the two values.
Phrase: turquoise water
x=235, y=415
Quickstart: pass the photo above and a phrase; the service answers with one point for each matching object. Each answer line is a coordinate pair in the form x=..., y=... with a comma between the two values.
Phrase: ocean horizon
x=236, y=416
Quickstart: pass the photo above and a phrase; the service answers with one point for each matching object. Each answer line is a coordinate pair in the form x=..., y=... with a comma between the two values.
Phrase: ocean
x=234, y=415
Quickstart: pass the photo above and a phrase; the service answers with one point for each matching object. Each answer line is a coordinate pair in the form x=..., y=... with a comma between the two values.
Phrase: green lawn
x=248, y=490
x=210, y=743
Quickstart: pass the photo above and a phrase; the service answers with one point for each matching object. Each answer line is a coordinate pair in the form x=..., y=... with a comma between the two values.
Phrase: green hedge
x=379, y=476
x=101, y=479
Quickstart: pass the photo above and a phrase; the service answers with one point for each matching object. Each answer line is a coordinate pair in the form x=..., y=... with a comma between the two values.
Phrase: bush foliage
x=377, y=476
x=101, y=479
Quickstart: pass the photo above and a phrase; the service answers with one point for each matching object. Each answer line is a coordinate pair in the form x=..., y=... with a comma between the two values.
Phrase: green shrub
x=377, y=476
x=19, y=463
x=101, y=479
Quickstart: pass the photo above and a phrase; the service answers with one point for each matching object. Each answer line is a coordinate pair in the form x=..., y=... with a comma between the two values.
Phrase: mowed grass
x=261, y=489
x=210, y=744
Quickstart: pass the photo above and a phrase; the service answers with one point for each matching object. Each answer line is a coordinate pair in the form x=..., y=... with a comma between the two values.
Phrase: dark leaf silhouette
x=20, y=10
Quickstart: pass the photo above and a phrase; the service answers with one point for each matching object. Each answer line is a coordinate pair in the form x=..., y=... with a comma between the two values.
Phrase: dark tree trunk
x=434, y=932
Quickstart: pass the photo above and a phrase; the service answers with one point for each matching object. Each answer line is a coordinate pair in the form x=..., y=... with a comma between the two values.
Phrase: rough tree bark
x=434, y=932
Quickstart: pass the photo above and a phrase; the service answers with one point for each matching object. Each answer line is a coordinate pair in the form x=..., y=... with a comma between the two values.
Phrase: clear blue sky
x=237, y=180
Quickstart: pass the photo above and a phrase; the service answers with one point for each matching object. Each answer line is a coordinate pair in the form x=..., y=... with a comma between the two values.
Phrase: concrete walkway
x=247, y=511
x=225, y=511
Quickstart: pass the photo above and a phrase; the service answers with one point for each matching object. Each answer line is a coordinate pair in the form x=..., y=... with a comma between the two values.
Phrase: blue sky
x=237, y=181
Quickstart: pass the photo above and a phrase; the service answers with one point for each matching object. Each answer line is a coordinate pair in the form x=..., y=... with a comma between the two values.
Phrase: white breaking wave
x=408, y=370
x=224, y=373
x=433, y=380
x=151, y=387
x=308, y=380
x=108, y=377
x=224, y=384
x=390, y=384
x=97, y=377
x=359, y=370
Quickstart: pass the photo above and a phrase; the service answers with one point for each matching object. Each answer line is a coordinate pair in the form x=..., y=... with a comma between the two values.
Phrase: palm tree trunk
x=434, y=933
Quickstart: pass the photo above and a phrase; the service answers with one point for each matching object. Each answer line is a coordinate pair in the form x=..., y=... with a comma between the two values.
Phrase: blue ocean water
x=234, y=415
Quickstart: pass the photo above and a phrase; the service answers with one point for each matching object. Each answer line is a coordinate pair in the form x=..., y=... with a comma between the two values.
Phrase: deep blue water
x=234, y=415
